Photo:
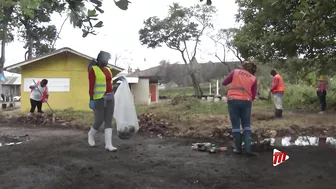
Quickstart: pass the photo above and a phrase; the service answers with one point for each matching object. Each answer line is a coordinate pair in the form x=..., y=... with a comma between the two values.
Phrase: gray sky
x=120, y=34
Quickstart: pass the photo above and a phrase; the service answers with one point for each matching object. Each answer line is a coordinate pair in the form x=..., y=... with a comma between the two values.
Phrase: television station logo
x=279, y=157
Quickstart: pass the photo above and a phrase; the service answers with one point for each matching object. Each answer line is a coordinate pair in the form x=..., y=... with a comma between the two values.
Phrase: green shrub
x=303, y=96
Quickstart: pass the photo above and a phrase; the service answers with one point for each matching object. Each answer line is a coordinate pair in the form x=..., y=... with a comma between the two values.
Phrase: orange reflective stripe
x=240, y=88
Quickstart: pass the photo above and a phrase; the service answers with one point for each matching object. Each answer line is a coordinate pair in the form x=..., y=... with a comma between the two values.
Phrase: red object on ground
x=222, y=149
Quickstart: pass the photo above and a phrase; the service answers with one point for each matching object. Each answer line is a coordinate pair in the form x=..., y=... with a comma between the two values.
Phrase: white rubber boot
x=91, y=134
x=108, y=140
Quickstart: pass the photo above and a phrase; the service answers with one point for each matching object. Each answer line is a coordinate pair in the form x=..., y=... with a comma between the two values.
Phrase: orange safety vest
x=240, y=88
x=44, y=95
x=281, y=86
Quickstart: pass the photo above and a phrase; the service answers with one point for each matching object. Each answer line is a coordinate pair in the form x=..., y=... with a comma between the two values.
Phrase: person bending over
x=38, y=95
x=241, y=94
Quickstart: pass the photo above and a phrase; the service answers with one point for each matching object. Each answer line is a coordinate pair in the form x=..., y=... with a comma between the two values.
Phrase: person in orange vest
x=277, y=89
x=39, y=94
x=241, y=94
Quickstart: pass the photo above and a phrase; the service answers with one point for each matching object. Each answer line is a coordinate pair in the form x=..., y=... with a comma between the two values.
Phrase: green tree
x=7, y=8
x=181, y=27
x=6, y=33
x=27, y=9
x=36, y=31
x=75, y=17
x=281, y=30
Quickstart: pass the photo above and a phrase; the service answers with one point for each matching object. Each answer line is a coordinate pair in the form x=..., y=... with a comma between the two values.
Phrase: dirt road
x=59, y=158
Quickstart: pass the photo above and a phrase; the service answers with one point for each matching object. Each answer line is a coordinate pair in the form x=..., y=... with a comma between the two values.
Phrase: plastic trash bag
x=124, y=111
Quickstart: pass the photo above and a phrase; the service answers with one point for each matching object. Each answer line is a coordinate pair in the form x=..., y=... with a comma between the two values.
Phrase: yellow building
x=67, y=74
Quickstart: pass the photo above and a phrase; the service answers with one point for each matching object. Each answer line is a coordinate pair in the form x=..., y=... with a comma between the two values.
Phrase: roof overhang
x=11, y=84
x=130, y=80
x=16, y=68
x=152, y=79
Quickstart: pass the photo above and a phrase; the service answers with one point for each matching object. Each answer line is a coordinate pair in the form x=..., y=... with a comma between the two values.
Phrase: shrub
x=302, y=96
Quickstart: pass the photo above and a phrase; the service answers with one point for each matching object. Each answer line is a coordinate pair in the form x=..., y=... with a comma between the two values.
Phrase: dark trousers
x=34, y=104
x=103, y=113
x=240, y=112
x=323, y=101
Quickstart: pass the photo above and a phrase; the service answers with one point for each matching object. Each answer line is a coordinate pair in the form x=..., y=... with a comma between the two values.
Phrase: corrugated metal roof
x=12, y=80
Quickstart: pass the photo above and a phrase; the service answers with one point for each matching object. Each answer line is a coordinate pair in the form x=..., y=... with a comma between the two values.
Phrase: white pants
x=277, y=98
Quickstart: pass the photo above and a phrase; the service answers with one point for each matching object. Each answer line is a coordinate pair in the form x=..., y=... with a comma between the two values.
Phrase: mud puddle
x=302, y=141
x=10, y=140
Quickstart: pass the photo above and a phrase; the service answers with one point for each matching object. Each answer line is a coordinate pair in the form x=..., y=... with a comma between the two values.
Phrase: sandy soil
x=60, y=158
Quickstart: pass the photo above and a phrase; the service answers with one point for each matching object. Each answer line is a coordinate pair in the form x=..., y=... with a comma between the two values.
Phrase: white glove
x=46, y=100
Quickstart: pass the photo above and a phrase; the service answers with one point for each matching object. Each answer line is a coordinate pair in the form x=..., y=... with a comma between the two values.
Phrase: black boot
x=247, y=144
x=238, y=144
x=277, y=113
x=280, y=113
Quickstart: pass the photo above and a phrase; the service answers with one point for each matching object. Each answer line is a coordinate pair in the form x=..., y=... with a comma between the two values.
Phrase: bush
x=302, y=96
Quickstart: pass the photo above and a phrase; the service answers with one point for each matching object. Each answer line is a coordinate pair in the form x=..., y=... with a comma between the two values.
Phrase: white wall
x=54, y=84
x=141, y=91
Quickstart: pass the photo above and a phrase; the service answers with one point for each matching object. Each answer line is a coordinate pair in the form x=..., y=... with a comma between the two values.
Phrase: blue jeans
x=240, y=112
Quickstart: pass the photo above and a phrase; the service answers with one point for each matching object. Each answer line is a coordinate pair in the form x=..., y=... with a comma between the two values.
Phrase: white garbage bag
x=124, y=111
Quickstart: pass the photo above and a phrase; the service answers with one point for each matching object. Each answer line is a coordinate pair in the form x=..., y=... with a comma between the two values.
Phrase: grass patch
x=185, y=91
x=79, y=118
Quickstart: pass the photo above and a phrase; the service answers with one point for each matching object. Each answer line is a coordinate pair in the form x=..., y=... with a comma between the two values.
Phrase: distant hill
x=178, y=73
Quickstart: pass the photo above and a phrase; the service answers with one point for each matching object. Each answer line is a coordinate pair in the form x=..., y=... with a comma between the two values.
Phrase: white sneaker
x=91, y=134
x=321, y=113
x=108, y=140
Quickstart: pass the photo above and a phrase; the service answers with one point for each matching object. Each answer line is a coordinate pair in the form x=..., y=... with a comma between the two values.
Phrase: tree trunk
x=30, y=46
x=197, y=89
x=5, y=22
x=2, y=59
x=3, y=50
x=227, y=65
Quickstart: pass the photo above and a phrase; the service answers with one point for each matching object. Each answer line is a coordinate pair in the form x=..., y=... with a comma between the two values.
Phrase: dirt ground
x=61, y=158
